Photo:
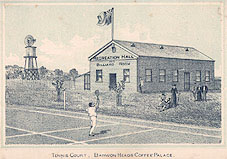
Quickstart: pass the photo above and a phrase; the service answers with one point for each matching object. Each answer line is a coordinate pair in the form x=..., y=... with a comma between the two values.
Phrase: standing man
x=92, y=113
x=199, y=92
x=174, y=96
x=141, y=85
x=59, y=87
x=204, y=92
x=119, y=89
x=97, y=96
x=194, y=91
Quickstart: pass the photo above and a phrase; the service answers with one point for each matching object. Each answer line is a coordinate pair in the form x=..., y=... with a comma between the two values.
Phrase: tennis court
x=36, y=125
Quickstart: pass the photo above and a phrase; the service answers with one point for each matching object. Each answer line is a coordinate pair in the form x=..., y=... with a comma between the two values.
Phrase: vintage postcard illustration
x=108, y=75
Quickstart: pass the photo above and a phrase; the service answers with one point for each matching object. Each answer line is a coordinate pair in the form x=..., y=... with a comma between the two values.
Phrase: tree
x=13, y=72
x=74, y=73
x=50, y=75
x=67, y=77
x=43, y=72
x=9, y=72
x=58, y=73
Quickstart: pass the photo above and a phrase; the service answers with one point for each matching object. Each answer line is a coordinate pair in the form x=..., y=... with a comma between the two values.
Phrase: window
x=207, y=77
x=148, y=75
x=198, y=76
x=126, y=75
x=87, y=82
x=98, y=75
x=175, y=76
x=162, y=75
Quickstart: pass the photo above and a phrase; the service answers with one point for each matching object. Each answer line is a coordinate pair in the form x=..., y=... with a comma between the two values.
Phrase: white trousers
x=93, y=123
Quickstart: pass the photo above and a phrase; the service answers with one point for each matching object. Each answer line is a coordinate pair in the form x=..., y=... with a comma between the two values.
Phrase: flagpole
x=112, y=23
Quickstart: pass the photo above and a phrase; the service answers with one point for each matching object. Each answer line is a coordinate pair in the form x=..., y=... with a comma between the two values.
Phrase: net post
x=64, y=99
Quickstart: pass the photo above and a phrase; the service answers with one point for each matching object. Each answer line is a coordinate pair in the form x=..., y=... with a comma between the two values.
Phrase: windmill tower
x=30, y=67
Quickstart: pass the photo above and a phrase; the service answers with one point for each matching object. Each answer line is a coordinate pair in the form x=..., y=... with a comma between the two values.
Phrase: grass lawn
x=135, y=105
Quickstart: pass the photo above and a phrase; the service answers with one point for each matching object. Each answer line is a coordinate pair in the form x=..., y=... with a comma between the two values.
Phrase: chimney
x=132, y=45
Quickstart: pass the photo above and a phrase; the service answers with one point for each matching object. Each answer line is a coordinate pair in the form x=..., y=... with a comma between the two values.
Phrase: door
x=186, y=81
x=87, y=84
x=113, y=81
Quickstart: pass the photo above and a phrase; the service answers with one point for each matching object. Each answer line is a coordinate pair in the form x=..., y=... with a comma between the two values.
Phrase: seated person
x=164, y=104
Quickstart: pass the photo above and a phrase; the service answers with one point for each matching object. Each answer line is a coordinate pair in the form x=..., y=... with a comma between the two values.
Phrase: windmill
x=30, y=67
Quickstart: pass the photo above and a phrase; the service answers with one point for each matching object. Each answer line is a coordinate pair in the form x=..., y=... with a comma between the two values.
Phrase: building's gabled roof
x=100, y=50
x=156, y=50
x=167, y=51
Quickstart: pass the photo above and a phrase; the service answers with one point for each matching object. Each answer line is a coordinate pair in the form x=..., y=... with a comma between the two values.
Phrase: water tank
x=30, y=51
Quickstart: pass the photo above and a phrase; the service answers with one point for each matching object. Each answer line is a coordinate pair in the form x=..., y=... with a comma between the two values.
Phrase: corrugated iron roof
x=160, y=50
x=83, y=74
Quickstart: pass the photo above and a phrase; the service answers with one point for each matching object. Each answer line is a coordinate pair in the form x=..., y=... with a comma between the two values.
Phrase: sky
x=66, y=35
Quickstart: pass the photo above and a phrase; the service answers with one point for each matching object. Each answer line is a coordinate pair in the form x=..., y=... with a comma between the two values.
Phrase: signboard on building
x=117, y=57
x=113, y=63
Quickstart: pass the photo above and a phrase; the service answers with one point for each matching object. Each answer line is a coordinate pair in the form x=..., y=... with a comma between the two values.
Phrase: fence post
x=64, y=98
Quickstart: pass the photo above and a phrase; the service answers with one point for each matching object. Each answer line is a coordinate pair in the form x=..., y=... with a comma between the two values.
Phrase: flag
x=105, y=18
